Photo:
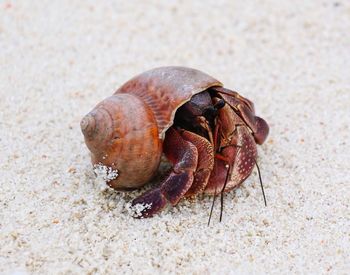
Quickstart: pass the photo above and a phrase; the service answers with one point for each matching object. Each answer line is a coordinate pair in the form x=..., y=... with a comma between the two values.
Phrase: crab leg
x=246, y=109
x=184, y=156
x=218, y=176
x=193, y=160
x=205, y=162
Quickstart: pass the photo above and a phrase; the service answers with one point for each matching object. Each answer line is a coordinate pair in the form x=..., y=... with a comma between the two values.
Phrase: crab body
x=207, y=132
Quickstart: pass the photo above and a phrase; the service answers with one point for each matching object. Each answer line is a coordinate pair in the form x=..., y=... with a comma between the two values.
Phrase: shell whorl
x=122, y=133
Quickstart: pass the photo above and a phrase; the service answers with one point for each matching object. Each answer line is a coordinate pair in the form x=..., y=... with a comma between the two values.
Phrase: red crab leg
x=205, y=162
x=245, y=108
x=221, y=169
x=184, y=156
x=234, y=98
x=216, y=136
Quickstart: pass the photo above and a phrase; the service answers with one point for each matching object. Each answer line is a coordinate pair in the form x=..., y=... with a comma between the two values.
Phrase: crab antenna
x=212, y=207
x=222, y=192
x=261, y=184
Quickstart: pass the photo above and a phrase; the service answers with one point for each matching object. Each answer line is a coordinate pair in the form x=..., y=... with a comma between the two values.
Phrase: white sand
x=59, y=58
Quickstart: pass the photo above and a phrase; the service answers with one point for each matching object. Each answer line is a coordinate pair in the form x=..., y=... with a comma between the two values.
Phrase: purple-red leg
x=246, y=109
x=184, y=156
x=205, y=162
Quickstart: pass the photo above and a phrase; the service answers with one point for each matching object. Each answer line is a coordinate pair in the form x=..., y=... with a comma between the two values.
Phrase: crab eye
x=220, y=104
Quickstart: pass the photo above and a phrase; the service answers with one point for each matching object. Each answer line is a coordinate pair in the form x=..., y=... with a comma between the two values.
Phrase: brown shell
x=165, y=89
x=130, y=146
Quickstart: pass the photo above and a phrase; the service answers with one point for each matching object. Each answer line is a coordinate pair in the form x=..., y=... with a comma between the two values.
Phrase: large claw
x=240, y=157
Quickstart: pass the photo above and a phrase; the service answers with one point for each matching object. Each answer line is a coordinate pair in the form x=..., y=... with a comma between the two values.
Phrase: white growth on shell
x=105, y=173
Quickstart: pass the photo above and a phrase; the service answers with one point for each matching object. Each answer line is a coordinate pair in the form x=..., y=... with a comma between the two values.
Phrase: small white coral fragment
x=105, y=173
x=136, y=210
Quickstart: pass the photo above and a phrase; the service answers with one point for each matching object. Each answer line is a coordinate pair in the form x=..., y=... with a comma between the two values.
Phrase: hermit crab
x=208, y=133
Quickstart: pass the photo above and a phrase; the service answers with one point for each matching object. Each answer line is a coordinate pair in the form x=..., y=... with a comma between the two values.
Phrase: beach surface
x=58, y=59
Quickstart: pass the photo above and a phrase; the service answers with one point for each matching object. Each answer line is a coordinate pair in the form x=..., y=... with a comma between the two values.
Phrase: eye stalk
x=220, y=104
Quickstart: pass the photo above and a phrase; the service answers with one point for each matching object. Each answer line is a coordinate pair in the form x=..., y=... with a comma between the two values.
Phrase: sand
x=59, y=58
